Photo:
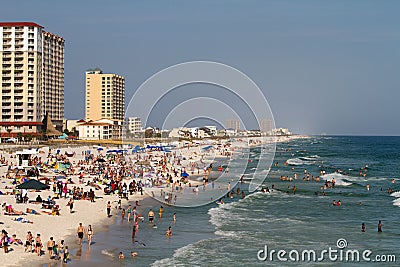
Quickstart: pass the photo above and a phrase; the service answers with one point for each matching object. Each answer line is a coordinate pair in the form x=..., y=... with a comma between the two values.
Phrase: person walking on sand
x=71, y=205
x=90, y=234
x=29, y=242
x=50, y=246
x=81, y=231
x=61, y=250
x=38, y=244
x=108, y=209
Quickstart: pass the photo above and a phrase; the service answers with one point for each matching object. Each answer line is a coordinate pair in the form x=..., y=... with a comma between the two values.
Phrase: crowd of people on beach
x=73, y=178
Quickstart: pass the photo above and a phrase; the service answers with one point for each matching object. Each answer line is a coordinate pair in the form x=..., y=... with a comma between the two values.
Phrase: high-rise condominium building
x=32, y=69
x=266, y=125
x=233, y=124
x=53, y=77
x=105, y=96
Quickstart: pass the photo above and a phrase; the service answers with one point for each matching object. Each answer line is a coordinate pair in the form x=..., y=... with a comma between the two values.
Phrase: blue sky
x=324, y=66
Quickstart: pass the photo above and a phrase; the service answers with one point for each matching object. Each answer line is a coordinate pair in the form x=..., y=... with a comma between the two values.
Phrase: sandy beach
x=190, y=158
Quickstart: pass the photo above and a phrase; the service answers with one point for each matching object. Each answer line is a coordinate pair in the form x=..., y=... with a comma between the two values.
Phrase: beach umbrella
x=184, y=174
x=101, y=160
x=100, y=148
x=33, y=184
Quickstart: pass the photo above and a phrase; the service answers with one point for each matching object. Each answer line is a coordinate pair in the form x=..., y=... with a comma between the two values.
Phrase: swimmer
x=134, y=254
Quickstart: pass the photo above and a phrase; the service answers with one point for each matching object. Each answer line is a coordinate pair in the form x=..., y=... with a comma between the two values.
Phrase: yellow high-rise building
x=105, y=96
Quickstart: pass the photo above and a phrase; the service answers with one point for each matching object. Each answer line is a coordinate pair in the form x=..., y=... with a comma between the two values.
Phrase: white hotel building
x=32, y=77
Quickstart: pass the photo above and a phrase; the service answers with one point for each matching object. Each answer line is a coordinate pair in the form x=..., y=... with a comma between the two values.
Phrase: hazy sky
x=324, y=66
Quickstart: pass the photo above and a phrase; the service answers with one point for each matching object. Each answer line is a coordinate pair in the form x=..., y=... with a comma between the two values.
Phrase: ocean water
x=233, y=234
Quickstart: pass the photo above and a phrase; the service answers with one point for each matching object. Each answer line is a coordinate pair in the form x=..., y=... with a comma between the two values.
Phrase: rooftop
x=19, y=24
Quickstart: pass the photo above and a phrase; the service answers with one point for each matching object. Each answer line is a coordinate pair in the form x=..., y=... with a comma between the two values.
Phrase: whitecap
x=395, y=194
x=299, y=161
x=340, y=179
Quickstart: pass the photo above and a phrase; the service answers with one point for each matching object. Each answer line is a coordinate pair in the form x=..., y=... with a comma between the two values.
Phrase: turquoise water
x=232, y=234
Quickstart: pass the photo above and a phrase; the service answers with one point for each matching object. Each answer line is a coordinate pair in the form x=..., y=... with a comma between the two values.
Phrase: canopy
x=33, y=184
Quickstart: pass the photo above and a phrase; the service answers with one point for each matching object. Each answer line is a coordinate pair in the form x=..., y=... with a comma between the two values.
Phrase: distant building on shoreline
x=105, y=99
x=32, y=69
x=266, y=126
x=233, y=124
x=134, y=125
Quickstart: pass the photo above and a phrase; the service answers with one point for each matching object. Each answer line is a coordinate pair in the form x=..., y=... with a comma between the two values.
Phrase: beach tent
x=33, y=184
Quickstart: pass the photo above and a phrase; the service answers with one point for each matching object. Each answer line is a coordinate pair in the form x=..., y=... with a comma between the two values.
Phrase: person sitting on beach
x=14, y=240
x=66, y=255
x=55, y=210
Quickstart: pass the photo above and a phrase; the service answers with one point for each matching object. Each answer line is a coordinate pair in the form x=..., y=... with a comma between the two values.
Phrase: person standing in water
x=363, y=227
x=151, y=216
x=108, y=209
x=89, y=234
x=380, y=226
x=169, y=232
x=129, y=211
x=174, y=217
